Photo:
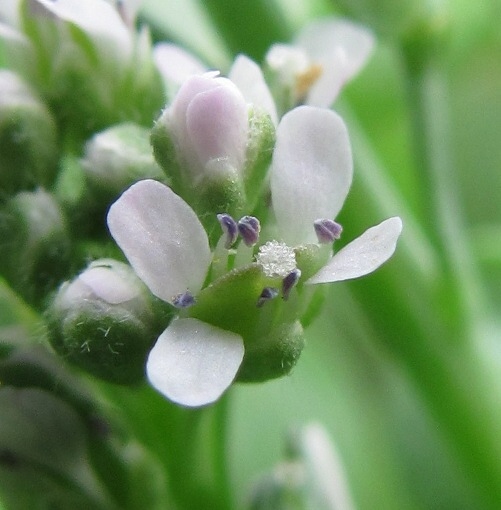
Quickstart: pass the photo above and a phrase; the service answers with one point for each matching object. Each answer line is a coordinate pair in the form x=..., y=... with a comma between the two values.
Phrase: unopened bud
x=105, y=321
x=35, y=247
x=116, y=158
x=28, y=138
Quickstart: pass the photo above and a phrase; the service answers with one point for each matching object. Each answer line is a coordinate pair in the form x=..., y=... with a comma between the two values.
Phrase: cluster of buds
x=227, y=220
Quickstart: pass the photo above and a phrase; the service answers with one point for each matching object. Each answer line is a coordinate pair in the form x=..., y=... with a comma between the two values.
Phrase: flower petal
x=161, y=237
x=248, y=77
x=217, y=123
x=342, y=48
x=175, y=63
x=311, y=171
x=193, y=362
x=363, y=255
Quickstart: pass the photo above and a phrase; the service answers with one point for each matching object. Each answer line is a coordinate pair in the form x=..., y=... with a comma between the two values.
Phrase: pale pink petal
x=161, y=237
x=217, y=122
x=311, y=171
x=193, y=362
x=363, y=255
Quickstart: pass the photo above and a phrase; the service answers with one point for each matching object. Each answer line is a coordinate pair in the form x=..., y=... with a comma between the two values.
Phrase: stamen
x=307, y=78
x=268, y=294
x=289, y=282
x=249, y=228
x=230, y=229
x=276, y=259
x=184, y=300
x=327, y=230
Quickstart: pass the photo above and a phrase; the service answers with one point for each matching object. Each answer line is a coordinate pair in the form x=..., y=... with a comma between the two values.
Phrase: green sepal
x=260, y=144
x=164, y=150
x=310, y=258
x=273, y=355
x=221, y=190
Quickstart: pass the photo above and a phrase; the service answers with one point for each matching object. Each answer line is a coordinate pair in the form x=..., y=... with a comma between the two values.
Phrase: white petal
x=363, y=255
x=109, y=284
x=248, y=77
x=175, y=63
x=311, y=171
x=161, y=237
x=193, y=363
x=342, y=48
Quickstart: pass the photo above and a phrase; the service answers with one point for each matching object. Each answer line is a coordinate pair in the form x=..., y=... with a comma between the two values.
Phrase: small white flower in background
x=193, y=362
x=325, y=55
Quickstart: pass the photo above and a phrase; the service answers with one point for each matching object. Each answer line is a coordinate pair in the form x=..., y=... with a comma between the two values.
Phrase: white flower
x=326, y=54
x=192, y=362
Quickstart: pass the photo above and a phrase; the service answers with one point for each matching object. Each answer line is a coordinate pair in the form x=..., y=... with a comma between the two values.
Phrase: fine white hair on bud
x=277, y=259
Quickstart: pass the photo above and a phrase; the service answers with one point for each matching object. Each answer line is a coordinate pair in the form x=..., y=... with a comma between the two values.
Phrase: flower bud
x=106, y=72
x=200, y=140
x=105, y=321
x=116, y=158
x=28, y=138
x=35, y=247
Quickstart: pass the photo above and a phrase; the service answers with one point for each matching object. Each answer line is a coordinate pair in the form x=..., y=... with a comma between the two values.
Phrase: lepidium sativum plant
x=172, y=233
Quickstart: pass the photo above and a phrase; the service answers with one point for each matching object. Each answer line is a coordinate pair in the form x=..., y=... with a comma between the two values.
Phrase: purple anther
x=249, y=228
x=184, y=300
x=289, y=282
x=327, y=231
x=268, y=294
x=230, y=229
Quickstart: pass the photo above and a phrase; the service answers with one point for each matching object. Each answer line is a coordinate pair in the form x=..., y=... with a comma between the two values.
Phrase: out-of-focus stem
x=428, y=92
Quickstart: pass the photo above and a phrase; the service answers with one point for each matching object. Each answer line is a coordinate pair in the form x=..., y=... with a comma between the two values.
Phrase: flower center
x=276, y=259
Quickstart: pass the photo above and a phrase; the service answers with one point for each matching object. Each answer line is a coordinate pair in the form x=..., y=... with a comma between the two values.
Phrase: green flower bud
x=105, y=321
x=106, y=72
x=116, y=158
x=214, y=148
x=28, y=138
x=35, y=246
